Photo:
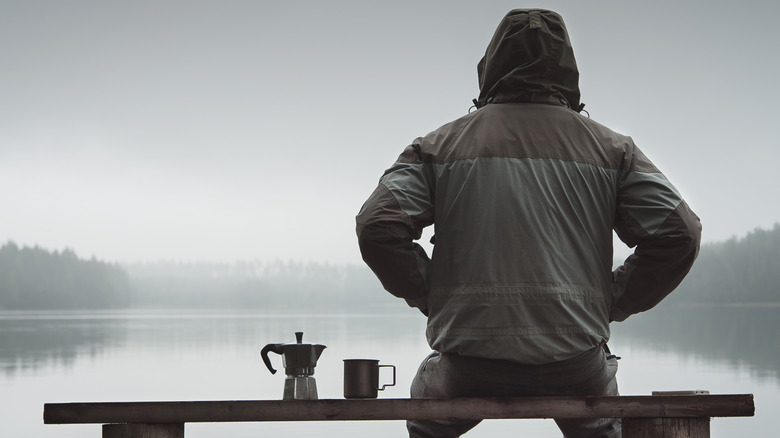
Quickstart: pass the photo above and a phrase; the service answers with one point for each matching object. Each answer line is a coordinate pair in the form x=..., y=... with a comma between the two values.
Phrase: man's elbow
x=690, y=241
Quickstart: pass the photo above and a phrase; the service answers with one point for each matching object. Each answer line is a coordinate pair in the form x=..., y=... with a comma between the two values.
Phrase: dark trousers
x=443, y=375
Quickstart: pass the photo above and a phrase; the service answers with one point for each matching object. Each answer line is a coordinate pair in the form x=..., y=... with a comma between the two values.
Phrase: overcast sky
x=235, y=130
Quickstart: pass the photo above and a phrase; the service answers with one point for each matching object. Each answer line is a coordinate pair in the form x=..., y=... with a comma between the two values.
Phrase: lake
x=195, y=355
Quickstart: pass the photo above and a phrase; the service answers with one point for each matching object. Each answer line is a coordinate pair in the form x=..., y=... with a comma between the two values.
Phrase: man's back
x=524, y=194
x=524, y=198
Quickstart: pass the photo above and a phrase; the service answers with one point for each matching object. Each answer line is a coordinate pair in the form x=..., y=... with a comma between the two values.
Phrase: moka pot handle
x=273, y=348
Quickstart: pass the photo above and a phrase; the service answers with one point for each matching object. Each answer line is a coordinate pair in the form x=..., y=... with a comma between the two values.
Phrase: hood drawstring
x=475, y=106
x=581, y=108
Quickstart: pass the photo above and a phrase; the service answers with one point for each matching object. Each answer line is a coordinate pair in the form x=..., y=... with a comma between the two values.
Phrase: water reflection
x=120, y=356
x=745, y=338
x=32, y=340
x=741, y=337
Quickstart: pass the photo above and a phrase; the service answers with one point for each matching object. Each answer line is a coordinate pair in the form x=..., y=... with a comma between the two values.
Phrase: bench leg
x=167, y=430
x=666, y=427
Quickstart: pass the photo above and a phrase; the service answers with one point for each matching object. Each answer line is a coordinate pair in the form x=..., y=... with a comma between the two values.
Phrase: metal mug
x=361, y=378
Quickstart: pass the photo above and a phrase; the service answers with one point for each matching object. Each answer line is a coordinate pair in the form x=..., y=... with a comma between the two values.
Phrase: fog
x=234, y=130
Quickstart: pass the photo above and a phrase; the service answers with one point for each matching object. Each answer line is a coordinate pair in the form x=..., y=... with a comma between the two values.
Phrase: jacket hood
x=529, y=59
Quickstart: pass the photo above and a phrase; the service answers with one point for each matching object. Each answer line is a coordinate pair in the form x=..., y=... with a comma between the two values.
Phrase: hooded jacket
x=524, y=194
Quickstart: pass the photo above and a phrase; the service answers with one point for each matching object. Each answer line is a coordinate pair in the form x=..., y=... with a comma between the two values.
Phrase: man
x=524, y=194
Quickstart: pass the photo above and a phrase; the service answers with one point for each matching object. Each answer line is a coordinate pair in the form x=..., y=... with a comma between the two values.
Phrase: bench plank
x=738, y=405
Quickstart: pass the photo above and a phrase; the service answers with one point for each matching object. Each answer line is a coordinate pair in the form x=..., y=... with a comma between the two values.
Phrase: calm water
x=127, y=356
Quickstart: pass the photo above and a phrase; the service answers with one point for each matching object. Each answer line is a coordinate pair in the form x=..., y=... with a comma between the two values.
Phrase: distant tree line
x=742, y=270
x=735, y=271
x=33, y=278
x=276, y=285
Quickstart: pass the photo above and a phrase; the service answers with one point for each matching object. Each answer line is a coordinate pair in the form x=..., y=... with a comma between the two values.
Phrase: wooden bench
x=667, y=416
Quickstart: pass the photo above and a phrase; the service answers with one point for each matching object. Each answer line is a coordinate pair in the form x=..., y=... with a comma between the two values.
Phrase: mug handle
x=388, y=384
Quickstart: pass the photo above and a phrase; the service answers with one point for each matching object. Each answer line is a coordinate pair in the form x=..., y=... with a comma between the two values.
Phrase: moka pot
x=299, y=360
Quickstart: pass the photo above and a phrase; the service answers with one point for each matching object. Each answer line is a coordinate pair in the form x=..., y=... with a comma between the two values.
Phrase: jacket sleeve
x=652, y=216
x=389, y=222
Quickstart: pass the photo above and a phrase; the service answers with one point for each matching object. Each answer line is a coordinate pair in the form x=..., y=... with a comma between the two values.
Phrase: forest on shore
x=34, y=278
x=737, y=271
